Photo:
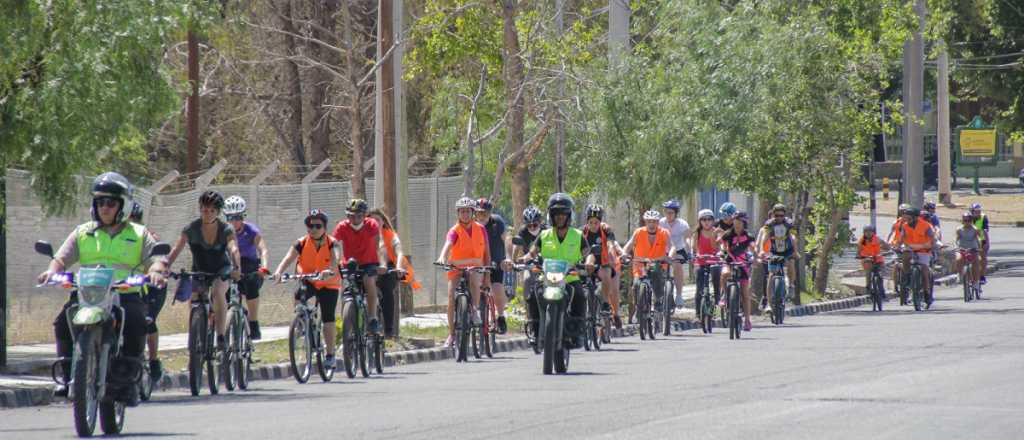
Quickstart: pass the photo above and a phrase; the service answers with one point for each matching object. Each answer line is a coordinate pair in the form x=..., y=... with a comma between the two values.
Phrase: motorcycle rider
x=110, y=240
x=564, y=242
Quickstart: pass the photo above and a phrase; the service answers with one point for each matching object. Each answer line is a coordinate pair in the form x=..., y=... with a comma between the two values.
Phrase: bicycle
x=464, y=328
x=914, y=281
x=875, y=287
x=239, y=346
x=485, y=339
x=201, y=333
x=305, y=335
x=359, y=347
x=645, y=307
x=968, y=274
x=708, y=272
x=734, y=297
x=593, y=323
x=776, y=265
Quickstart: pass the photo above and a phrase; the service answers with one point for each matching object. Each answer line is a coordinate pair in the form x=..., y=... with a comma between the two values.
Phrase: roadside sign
x=978, y=143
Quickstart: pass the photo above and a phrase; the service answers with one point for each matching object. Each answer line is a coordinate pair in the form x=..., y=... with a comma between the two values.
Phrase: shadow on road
x=257, y=396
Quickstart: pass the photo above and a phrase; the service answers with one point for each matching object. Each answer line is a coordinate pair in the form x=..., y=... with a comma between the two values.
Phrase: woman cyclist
x=214, y=250
x=704, y=242
x=596, y=231
x=255, y=257
x=737, y=245
x=396, y=260
x=968, y=245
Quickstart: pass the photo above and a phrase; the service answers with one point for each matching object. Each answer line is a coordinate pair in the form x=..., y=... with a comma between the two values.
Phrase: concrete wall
x=277, y=209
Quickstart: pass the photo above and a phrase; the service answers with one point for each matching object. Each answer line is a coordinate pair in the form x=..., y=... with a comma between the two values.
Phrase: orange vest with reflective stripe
x=313, y=259
x=469, y=249
x=917, y=234
x=643, y=248
x=871, y=248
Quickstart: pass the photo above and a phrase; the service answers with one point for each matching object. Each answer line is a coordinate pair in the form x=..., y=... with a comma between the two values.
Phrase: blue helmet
x=727, y=209
x=671, y=204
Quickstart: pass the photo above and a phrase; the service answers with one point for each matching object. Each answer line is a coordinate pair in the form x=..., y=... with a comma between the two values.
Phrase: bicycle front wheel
x=196, y=348
x=349, y=353
x=299, y=350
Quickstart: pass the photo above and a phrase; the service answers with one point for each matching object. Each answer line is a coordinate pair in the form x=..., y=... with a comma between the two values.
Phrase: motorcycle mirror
x=160, y=249
x=518, y=241
x=45, y=248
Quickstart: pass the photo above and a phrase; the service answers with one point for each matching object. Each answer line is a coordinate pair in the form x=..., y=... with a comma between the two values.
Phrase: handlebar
x=302, y=276
x=478, y=269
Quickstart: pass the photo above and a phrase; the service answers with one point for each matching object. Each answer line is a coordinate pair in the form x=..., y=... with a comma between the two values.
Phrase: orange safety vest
x=313, y=259
x=605, y=259
x=388, y=236
x=871, y=248
x=918, y=234
x=643, y=248
x=469, y=249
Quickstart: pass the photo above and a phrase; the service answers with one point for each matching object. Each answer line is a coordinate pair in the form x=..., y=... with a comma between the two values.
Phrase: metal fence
x=278, y=209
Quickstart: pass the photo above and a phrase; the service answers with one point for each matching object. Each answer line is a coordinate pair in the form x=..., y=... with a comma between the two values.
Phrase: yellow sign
x=978, y=143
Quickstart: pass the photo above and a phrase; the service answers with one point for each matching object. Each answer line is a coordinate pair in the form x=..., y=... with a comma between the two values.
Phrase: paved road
x=953, y=372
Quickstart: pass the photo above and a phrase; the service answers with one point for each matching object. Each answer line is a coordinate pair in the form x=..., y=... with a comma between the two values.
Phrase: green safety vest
x=565, y=250
x=977, y=225
x=122, y=252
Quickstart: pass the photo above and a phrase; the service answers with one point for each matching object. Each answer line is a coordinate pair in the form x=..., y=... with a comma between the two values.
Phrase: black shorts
x=154, y=299
x=497, y=275
x=250, y=286
x=326, y=297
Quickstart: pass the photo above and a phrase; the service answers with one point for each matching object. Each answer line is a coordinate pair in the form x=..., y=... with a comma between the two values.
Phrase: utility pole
x=3, y=268
x=913, y=141
x=943, y=127
x=384, y=145
x=618, y=30
x=193, y=103
x=559, y=124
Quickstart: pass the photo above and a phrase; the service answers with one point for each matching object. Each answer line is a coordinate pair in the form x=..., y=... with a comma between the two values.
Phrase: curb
x=18, y=396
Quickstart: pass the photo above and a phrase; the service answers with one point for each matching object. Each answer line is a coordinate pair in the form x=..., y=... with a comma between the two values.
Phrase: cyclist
x=397, y=260
x=737, y=244
x=466, y=246
x=968, y=242
x=255, y=256
x=154, y=297
x=599, y=233
x=725, y=213
x=317, y=252
x=564, y=242
x=894, y=231
x=704, y=242
x=918, y=235
x=981, y=224
x=778, y=238
x=110, y=240
x=214, y=250
x=929, y=215
x=499, y=245
x=360, y=240
x=532, y=227
x=678, y=230
x=870, y=247
x=654, y=243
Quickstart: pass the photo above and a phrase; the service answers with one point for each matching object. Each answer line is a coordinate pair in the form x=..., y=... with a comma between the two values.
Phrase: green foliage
x=80, y=82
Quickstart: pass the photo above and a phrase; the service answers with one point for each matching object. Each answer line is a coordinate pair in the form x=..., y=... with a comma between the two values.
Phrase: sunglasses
x=107, y=202
x=780, y=215
x=315, y=226
x=235, y=217
x=533, y=225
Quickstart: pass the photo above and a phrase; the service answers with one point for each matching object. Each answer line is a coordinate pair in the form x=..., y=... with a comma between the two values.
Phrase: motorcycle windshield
x=555, y=270
x=94, y=286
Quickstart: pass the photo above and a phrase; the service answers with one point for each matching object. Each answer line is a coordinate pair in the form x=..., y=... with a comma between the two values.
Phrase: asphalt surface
x=952, y=372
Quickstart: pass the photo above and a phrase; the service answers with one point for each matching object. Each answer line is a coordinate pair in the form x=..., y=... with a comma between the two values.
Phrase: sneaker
x=476, y=318
x=156, y=370
x=502, y=325
x=721, y=302
x=448, y=343
x=254, y=330
x=679, y=300
x=329, y=361
x=746, y=325
x=767, y=308
x=373, y=327
x=618, y=322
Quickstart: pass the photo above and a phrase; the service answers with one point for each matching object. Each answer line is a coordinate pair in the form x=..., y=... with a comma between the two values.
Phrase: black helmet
x=482, y=204
x=111, y=184
x=531, y=214
x=559, y=203
x=212, y=198
x=912, y=211
x=316, y=213
x=357, y=206
x=595, y=210
x=137, y=213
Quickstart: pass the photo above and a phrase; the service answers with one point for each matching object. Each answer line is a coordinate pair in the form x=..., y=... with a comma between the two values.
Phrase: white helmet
x=652, y=215
x=234, y=205
x=465, y=202
x=706, y=213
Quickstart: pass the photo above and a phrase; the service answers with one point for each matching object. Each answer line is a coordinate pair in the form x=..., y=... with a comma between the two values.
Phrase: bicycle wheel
x=667, y=305
x=966, y=281
x=462, y=328
x=917, y=289
x=299, y=350
x=641, y=312
x=485, y=327
x=363, y=344
x=196, y=348
x=111, y=417
x=231, y=352
x=84, y=386
x=145, y=383
x=876, y=291
x=242, y=367
x=733, y=300
x=349, y=353
x=778, y=299
x=213, y=362
x=588, y=322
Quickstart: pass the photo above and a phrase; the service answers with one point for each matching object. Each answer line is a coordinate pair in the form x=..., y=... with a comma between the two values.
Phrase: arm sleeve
x=68, y=252
x=453, y=236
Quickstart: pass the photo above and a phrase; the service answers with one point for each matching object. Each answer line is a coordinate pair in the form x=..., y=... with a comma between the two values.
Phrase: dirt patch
x=1000, y=208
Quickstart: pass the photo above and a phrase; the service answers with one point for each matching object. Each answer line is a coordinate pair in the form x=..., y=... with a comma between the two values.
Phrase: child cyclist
x=869, y=250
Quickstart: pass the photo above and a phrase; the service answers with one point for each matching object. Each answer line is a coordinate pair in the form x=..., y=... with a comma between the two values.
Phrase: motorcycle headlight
x=92, y=295
x=555, y=277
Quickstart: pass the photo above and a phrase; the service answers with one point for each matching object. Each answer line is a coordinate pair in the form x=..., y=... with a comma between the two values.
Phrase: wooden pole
x=193, y=103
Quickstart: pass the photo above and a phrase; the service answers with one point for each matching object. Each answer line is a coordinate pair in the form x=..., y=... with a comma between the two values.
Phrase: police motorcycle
x=101, y=378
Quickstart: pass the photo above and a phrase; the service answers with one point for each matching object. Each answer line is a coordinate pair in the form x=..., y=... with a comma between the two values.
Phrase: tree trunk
x=294, y=84
x=824, y=257
x=801, y=210
x=516, y=111
x=320, y=131
x=356, y=178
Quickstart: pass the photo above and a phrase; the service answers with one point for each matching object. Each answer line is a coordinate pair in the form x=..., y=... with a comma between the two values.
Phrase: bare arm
x=288, y=260
x=264, y=251
x=445, y=250
x=178, y=247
